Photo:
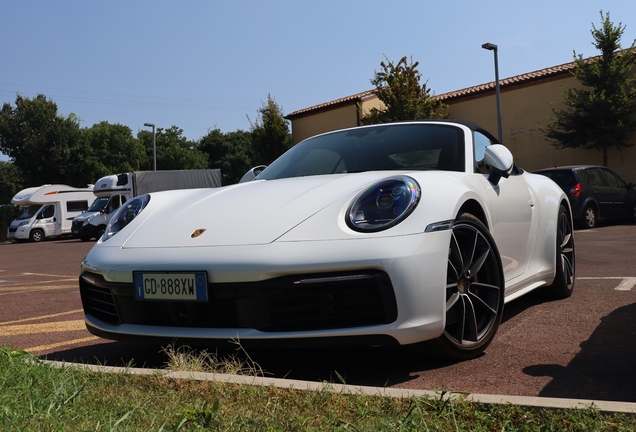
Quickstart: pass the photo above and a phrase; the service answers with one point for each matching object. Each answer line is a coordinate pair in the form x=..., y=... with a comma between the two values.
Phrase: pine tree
x=599, y=115
x=404, y=98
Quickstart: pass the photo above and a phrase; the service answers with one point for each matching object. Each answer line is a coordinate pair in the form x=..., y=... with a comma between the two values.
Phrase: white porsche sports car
x=377, y=235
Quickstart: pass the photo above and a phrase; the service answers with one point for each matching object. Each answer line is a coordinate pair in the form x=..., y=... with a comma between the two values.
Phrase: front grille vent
x=286, y=304
x=97, y=300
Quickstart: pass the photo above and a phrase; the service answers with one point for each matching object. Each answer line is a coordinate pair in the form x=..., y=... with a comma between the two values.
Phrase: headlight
x=384, y=204
x=88, y=220
x=125, y=214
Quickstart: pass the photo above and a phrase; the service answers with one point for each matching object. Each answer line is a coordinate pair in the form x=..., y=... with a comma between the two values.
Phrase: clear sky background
x=203, y=64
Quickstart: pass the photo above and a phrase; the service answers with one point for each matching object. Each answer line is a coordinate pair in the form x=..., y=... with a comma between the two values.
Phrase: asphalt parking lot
x=583, y=347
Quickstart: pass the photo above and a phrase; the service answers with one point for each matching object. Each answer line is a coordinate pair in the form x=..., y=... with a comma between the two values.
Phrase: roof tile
x=515, y=80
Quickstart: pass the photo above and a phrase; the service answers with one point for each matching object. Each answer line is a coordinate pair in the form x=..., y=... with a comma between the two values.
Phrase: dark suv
x=595, y=192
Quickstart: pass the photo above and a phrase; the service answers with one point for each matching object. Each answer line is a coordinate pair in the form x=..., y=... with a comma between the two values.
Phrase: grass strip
x=37, y=396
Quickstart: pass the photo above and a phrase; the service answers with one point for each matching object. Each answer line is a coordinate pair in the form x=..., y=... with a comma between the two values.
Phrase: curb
x=527, y=401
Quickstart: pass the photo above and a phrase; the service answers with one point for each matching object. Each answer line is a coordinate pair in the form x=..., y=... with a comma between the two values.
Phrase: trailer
x=114, y=190
x=48, y=211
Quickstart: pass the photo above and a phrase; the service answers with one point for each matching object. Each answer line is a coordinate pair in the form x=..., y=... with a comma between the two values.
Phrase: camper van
x=48, y=211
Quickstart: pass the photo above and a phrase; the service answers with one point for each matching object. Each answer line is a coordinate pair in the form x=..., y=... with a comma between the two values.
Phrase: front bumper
x=19, y=233
x=385, y=289
x=83, y=231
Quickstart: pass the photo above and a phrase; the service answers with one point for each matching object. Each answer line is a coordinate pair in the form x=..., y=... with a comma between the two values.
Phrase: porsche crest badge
x=197, y=233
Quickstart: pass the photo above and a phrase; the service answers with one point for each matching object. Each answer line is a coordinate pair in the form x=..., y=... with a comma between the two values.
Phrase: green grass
x=37, y=396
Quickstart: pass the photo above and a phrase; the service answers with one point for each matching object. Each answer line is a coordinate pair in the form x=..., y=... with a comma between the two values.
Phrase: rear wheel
x=474, y=290
x=564, y=281
x=590, y=217
x=36, y=235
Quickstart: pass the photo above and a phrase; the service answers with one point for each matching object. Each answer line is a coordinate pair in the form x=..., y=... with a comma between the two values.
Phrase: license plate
x=171, y=286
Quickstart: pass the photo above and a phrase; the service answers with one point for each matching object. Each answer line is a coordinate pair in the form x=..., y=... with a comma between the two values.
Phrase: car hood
x=251, y=213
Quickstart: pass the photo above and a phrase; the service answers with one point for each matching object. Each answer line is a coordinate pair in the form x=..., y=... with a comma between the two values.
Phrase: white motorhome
x=48, y=211
x=114, y=190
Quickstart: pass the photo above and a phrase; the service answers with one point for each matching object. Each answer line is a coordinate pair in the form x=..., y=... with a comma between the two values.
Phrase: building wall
x=327, y=120
x=524, y=109
x=324, y=121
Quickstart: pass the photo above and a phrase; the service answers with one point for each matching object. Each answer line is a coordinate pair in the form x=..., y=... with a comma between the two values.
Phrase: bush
x=8, y=212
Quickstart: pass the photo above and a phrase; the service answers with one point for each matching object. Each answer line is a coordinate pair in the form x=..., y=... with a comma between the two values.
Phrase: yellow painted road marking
x=14, y=281
x=23, y=289
x=59, y=344
x=66, y=279
x=52, y=327
x=41, y=317
x=49, y=275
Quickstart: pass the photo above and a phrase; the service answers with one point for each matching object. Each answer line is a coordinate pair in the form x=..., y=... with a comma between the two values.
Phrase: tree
x=114, y=149
x=44, y=145
x=398, y=88
x=174, y=151
x=270, y=133
x=231, y=152
x=598, y=116
x=10, y=181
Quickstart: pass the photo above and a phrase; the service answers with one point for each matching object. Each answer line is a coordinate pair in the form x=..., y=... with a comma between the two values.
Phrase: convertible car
x=391, y=234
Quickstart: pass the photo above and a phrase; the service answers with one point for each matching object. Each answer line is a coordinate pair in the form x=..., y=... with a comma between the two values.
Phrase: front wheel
x=564, y=280
x=36, y=235
x=474, y=290
x=99, y=232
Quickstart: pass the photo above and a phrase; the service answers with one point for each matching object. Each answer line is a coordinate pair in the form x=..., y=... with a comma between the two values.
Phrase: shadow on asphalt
x=583, y=378
x=378, y=367
x=356, y=366
x=528, y=301
x=383, y=367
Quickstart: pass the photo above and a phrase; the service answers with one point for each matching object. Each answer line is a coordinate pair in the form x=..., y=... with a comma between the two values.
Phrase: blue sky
x=203, y=64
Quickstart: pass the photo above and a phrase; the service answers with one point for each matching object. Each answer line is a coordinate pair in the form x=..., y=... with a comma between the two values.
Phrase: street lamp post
x=492, y=47
x=154, y=145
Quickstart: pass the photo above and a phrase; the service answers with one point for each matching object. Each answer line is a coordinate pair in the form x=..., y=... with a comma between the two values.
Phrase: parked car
x=377, y=235
x=595, y=193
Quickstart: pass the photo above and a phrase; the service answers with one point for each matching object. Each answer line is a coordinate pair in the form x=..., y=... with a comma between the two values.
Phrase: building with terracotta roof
x=526, y=102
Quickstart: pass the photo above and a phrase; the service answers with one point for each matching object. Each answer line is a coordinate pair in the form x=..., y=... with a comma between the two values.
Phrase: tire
x=563, y=284
x=590, y=217
x=474, y=290
x=99, y=232
x=36, y=235
x=84, y=238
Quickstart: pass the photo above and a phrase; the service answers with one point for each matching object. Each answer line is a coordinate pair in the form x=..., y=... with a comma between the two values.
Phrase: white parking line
x=627, y=282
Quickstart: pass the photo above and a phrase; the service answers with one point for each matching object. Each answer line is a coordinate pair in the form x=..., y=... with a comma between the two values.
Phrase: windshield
x=98, y=204
x=30, y=211
x=405, y=146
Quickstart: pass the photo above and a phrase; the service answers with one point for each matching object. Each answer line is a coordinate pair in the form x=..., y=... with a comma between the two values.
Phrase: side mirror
x=499, y=161
x=631, y=185
x=252, y=174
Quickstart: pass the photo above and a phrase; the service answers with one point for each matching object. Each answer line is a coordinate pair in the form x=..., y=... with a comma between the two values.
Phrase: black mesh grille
x=299, y=303
x=98, y=300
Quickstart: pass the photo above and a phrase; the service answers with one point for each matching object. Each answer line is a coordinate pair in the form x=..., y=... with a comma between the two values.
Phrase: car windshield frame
x=397, y=146
x=98, y=204
x=30, y=211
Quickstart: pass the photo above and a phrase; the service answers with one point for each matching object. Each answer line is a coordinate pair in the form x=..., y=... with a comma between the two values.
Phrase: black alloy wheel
x=565, y=259
x=474, y=290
